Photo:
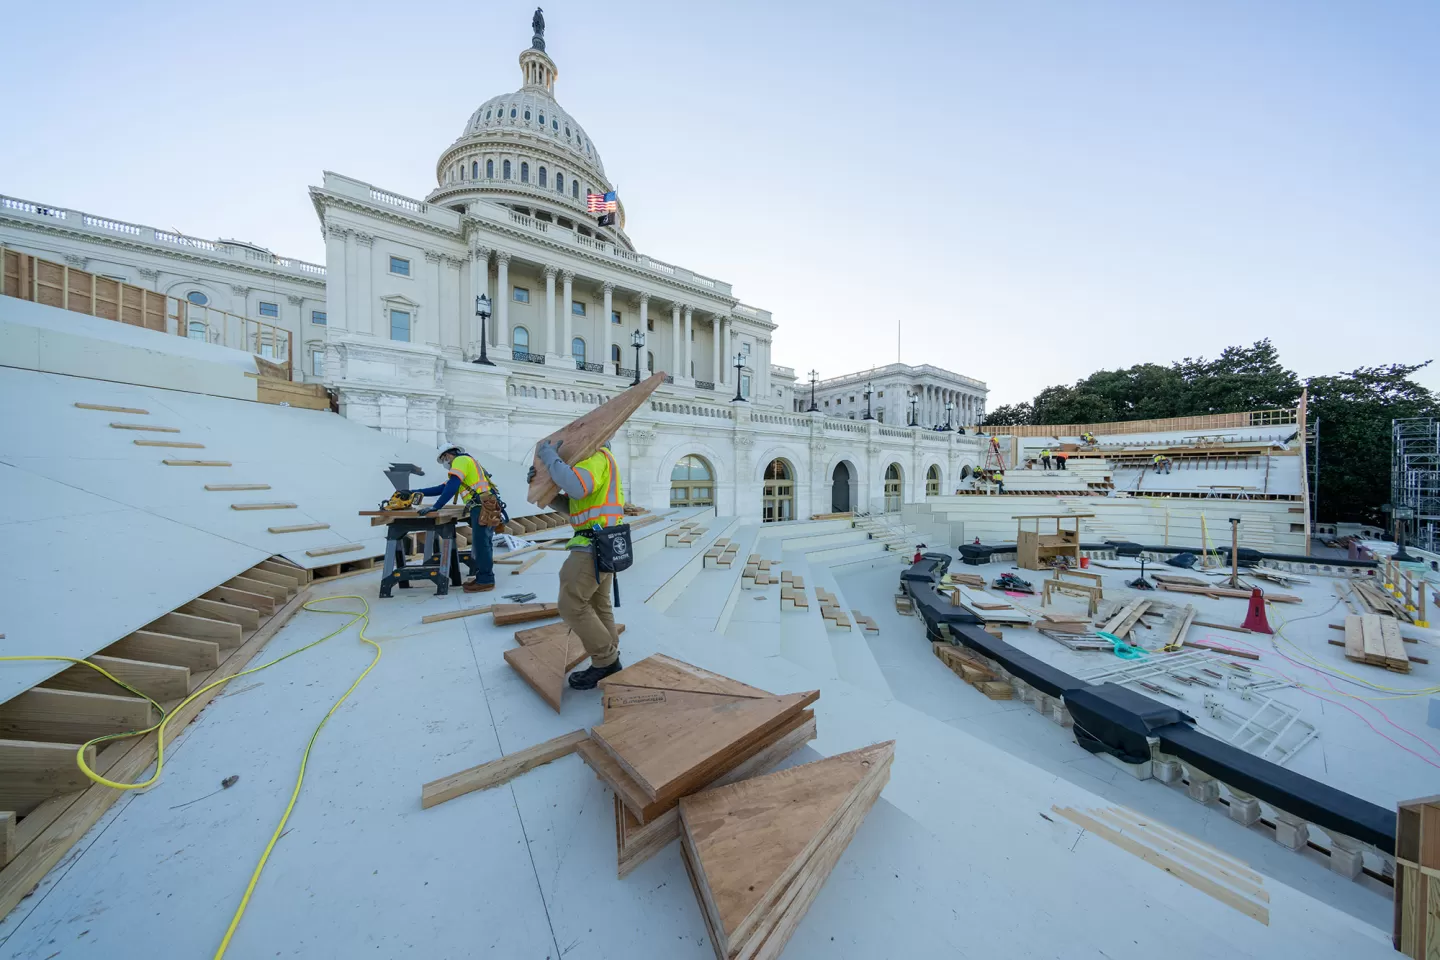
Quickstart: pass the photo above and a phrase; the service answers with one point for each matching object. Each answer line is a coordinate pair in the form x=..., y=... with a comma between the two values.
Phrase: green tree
x=1241, y=378
x=1010, y=415
x=1354, y=411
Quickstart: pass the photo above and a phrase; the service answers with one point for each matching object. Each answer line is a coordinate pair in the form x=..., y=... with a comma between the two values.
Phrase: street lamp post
x=869, y=389
x=637, y=339
x=482, y=310
x=739, y=364
x=914, y=412
x=949, y=409
x=814, y=378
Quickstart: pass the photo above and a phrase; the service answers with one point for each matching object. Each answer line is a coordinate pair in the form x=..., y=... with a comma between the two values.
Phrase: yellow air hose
x=362, y=617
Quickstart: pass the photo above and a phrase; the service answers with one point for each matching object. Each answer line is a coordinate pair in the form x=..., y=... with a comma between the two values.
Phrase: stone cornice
x=185, y=254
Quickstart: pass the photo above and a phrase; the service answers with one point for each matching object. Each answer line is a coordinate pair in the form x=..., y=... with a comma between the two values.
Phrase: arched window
x=505, y=170
x=559, y=183
x=524, y=172
x=543, y=180
x=474, y=170
x=692, y=483
x=542, y=119
x=575, y=189
x=577, y=350
x=512, y=113
x=892, y=488
x=614, y=353
x=527, y=113
x=489, y=169
x=520, y=340
x=649, y=362
x=932, y=481
x=196, y=330
x=197, y=298
x=778, y=496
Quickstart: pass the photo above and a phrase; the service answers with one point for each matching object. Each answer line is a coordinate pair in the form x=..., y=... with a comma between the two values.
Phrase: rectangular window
x=880, y=393
x=400, y=325
x=520, y=295
x=649, y=323
x=400, y=266
x=614, y=316
x=317, y=316
x=317, y=363
x=745, y=347
x=577, y=308
x=269, y=309
x=745, y=385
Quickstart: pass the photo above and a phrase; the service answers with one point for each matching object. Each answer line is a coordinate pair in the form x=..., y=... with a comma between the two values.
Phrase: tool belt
x=492, y=509
x=612, y=549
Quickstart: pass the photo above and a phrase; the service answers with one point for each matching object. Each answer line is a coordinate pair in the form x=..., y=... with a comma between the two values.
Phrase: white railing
x=179, y=239
x=40, y=210
x=395, y=200
x=119, y=226
x=659, y=266
x=747, y=311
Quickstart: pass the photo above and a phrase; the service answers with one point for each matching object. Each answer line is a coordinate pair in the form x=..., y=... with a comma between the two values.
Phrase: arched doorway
x=778, y=498
x=692, y=483
x=842, y=488
x=893, y=485
x=932, y=481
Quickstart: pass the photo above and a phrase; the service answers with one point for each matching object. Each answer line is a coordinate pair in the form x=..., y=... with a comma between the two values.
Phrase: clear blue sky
x=1039, y=189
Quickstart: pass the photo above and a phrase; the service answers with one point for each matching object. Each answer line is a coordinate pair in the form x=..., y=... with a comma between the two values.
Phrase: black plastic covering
x=1322, y=805
x=1112, y=719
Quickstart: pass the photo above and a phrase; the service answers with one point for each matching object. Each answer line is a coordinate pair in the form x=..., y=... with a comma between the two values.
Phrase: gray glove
x=530, y=475
x=549, y=453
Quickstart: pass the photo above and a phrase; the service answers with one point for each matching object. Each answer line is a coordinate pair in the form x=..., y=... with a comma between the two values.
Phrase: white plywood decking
x=527, y=870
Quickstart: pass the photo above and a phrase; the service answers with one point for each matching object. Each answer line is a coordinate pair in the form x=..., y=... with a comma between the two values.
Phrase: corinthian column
x=550, y=310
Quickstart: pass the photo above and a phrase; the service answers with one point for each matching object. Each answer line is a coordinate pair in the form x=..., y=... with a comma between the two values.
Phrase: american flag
x=602, y=202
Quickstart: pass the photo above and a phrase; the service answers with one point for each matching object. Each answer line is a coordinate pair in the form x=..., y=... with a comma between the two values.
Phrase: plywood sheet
x=667, y=673
x=582, y=437
x=544, y=665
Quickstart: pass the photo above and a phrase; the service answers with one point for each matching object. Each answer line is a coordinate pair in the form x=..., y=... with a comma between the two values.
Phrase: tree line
x=1354, y=411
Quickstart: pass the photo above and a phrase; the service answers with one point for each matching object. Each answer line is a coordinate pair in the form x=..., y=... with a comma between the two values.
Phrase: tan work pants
x=585, y=607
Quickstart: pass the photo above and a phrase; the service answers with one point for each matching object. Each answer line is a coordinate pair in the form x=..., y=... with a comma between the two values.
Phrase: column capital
x=432, y=256
x=335, y=230
x=149, y=274
x=643, y=299
x=550, y=273
x=567, y=275
x=608, y=287
x=239, y=289
x=364, y=239
x=480, y=254
x=455, y=262
x=502, y=257
x=297, y=301
x=689, y=310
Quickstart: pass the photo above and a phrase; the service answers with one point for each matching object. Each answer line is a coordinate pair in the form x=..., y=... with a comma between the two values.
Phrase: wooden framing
x=196, y=655
x=330, y=551
x=1035, y=550
x=1091, y=595
x=71, y=716
x=247, y=617
x=34, y=772
x=1417, y=878
x=499, y=771
x=159, y=681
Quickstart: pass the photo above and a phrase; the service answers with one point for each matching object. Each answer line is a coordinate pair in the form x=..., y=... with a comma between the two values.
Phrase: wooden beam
x=109, y=409
x=526, y=565
x=196, y=463
x=7, y=836
x=1227, y=651
x=247, y=617
x=235, y=597
x=457, y=614
x=299, y=575
x=587, y=434
x=197, y=655
x=496, y=772
x=159, y=681
x=144, y=426
x=32, y=772
x=71, y=716
x=261, y=587
x=300, y=528
x=197, y=628
x=263, y=506
x=517, y=553
x=328, y=551
x=170, y=443
x=237, y=486
x=277, y=580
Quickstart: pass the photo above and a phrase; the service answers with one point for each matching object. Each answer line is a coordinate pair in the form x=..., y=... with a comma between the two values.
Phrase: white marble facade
x=893, y=387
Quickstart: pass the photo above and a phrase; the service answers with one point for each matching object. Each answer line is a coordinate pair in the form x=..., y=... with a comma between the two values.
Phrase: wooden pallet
x=1375, y=640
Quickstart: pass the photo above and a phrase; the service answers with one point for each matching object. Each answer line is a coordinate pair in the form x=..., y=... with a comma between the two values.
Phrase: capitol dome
x=524, y=151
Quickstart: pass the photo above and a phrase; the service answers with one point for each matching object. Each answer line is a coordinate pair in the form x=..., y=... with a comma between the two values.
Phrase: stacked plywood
x=759, y=851
x=1376, y=640
x=671, y=729
x=972, y=670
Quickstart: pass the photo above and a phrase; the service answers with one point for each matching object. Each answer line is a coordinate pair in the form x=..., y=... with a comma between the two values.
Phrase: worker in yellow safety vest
x=1088, y=437
x=1045, y=458
x=1160, y=463
x=468, y=482
x=595, y=498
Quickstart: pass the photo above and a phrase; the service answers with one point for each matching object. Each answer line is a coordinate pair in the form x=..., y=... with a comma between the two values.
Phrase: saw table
x=439, y=559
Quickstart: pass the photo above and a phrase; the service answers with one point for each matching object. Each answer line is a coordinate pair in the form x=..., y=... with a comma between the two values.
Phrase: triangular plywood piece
x=584, y=436
x=671, y=753
x=544, y=665
x=619, y=698
x=667, y=673
x=760, y=849
x=549, y=632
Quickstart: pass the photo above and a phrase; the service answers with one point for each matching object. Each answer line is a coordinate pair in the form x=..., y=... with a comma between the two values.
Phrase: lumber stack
x=1126, y=618
x=759, y=851
x=972, y=670
x=1216, y=592
x=1373, y=599
x=1375, y=640
x=671, y=729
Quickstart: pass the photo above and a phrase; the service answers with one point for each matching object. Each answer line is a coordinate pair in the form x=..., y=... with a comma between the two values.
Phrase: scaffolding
x=1415, y=479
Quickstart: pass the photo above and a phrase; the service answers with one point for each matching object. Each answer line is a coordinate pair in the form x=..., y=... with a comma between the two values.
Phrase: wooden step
x=169, y=443
x=144, y=426
x=197, y=463
x=32, y=772
x=109, y=409
x=72, y=716
x=263, y=506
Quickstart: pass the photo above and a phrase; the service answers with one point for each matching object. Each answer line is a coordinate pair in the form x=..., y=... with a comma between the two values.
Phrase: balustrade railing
x=704, y=385
x=523, y=356
x=589, y=367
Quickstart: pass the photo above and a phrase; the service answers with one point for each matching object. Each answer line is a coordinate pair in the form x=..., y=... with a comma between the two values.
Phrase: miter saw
x=403, y=498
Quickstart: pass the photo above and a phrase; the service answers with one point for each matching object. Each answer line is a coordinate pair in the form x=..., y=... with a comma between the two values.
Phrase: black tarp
x=1117, y=721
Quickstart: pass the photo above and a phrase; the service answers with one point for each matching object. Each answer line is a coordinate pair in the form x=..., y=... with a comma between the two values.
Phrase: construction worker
x=466, y=478
x=1060, y=459
x=1088, y=438
x=1160, y=463
x=594, y=497
x=999, y=477
x=1045, y=458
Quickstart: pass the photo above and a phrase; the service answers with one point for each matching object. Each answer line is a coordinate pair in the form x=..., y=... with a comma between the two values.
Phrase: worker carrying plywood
x=1160, y=463
x=1089, y=438
x=467, y=478
x=594, y=497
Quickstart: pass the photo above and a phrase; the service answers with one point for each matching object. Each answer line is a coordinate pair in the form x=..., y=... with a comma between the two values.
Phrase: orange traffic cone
x=1255, y=619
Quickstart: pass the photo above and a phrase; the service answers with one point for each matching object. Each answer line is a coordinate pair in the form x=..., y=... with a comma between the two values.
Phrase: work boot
x=473, y=587
x=587, y=679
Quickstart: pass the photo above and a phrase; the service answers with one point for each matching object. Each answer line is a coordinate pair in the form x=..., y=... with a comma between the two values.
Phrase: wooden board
x=109, y=409
x=252, y=584
x=244, y=615
x=585, y=435
x=508, y=613
x=549, y=632
x=33, y=772
x=7, y=836
x=1217, y=648
x=263, y=506
x=1183, y=581
x=496, y=772
x=197, y=628
x=234, y=596
x=300, y=528
x=230, y=487
x=755, y=847
x=196, y=463
x=197, y=655
x=158, y=681
x=673, y=754
x=329, y=551
x=179, y=444
x=1124, y=621
x=1354, y=639
x=71, y=716
x=1216, y=591
x=667, y=673
x=144, y=426
x=544, y=666
x=617, y=700
x=457, y=614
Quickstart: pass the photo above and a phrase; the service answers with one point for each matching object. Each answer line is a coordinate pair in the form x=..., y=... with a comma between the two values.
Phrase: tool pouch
x=492, y=513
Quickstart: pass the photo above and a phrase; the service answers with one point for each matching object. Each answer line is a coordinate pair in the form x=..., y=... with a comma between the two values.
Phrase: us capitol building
x=390, y=324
